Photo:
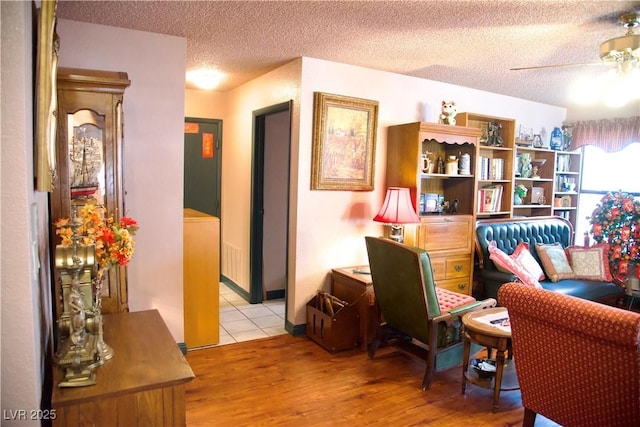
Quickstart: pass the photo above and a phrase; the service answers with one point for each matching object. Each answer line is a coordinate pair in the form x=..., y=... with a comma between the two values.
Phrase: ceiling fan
x=622, y=51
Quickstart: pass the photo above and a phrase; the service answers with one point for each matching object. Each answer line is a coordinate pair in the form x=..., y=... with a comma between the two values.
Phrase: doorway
x=202, y=165
x=270, y=202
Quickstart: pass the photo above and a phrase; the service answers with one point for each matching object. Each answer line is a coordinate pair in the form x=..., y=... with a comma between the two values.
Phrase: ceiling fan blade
x=555, y=66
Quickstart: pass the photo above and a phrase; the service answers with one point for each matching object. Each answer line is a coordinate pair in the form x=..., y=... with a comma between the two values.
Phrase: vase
x=517, y=200
x=104, y=351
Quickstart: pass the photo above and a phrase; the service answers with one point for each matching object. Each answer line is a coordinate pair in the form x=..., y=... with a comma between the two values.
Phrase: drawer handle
x=458, y=267
x=462, y=286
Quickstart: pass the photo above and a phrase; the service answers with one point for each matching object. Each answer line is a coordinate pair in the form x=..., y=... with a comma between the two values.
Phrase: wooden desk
x=144, y=383
x=357, y=287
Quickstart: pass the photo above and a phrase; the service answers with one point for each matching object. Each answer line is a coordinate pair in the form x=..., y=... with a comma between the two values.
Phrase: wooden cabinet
x=89, y=158
x=405, y=146
x=143, y=384
x=494, y=163
x=201, y=283
x=447, y=236
x=449, y=241
x=352, y=285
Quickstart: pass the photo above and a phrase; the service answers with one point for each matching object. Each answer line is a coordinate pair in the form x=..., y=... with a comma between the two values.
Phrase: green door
x=202, y=163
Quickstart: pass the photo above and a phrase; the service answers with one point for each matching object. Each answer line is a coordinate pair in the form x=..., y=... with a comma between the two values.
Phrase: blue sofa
x=508, y=233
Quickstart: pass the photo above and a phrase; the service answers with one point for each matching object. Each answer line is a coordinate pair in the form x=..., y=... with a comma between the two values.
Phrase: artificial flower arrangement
x=616, y=221
x=521, y=190
x=113, y=239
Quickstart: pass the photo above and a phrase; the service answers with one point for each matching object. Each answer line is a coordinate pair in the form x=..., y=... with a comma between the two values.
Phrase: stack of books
x=491, y=169
x=490, y=199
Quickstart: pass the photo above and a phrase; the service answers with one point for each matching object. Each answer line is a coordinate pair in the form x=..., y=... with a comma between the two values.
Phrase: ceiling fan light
x=625, y=48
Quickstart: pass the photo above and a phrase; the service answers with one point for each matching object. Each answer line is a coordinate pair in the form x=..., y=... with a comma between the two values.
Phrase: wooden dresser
x=144, y=383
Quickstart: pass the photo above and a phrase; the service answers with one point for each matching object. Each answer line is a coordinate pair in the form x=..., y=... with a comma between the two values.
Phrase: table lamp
x=396, y=211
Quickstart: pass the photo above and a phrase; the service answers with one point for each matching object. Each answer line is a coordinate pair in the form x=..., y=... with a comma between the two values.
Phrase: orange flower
x=113, y=239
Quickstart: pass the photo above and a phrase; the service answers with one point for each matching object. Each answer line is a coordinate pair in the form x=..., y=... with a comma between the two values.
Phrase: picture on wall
x=48, y=44
x=344, y=142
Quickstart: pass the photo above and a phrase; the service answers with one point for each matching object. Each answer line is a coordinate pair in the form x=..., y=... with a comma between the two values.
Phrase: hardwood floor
x=292, y=381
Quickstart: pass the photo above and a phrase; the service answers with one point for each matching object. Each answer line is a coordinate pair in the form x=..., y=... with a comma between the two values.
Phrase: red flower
x=126, y=221
x=623, y=267
x=627, y=205
x=616, y=220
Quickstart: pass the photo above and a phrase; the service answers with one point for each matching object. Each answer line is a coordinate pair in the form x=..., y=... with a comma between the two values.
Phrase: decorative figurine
x=453, y=208
x=566, y=138
x=494, y=134
x=448, y=114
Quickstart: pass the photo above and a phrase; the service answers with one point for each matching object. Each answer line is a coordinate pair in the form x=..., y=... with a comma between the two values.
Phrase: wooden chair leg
x=529, y=418
x=373, y=347
x=431, y=358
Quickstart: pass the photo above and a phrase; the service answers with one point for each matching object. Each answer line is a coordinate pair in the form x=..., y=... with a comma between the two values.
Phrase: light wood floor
x=292, y=381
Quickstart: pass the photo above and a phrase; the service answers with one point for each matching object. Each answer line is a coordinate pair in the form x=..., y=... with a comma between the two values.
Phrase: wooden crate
x=333, y=332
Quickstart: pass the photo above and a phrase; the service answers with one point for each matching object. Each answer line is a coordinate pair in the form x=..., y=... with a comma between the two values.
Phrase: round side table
x=489, y=328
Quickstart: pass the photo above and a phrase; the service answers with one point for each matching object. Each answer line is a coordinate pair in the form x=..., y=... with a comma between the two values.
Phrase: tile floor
x=241, y=321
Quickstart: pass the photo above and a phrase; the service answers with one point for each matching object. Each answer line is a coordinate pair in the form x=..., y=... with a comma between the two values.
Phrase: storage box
x=333, y=332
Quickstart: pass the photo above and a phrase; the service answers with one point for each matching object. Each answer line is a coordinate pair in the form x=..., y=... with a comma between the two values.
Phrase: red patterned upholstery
x=448, y=300
x=578, y=362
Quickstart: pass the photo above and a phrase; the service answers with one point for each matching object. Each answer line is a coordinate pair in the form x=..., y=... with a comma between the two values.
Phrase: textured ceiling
x=466, y=43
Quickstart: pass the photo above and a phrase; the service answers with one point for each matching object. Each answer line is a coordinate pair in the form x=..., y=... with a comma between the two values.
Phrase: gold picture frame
x=46, y=100
x=344, y=143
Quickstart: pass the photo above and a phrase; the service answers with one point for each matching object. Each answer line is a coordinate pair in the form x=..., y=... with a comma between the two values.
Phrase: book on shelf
x=491, y=169
x=490, y=199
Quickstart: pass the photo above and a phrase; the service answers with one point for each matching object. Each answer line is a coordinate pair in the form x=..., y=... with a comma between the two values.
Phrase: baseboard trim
x=183, y=348
x=277, y=294
x=295, y=330
x=234, y=286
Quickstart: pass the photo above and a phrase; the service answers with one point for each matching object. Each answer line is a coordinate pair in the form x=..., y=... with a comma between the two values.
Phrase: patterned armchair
x=578, y=362
x=414, y=309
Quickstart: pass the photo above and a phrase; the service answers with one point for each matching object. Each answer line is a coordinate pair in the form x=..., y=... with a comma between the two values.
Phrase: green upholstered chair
x=418, y=317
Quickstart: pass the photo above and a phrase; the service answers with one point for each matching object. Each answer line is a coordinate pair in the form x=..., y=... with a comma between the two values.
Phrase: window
x=603, y=172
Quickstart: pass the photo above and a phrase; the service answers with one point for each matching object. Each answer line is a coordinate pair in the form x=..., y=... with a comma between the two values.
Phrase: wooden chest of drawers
x=449, y=241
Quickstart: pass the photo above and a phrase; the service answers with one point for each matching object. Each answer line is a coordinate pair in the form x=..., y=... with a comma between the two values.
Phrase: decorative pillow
x=501, y=259
x=555, y=262
x=524, y=257
x=590, y=263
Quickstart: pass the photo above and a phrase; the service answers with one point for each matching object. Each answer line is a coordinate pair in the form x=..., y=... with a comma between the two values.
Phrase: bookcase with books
x=535, y=170
x=494, y=157
x=568, y=170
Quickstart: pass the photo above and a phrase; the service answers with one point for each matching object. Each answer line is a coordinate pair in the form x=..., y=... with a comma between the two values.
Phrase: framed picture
x=344, y=142
x=46, y=102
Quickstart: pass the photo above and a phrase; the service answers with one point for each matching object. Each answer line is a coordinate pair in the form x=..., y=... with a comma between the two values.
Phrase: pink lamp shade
x=397, y=208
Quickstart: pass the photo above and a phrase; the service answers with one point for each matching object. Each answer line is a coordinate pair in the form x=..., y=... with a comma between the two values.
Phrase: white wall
x=332, y=224
x=153, y=152
x=25, y=324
